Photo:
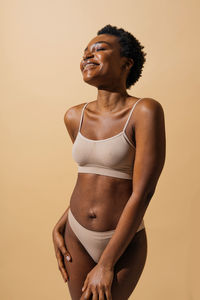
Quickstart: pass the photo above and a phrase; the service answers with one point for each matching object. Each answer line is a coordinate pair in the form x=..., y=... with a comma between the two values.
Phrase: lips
x=89, y=64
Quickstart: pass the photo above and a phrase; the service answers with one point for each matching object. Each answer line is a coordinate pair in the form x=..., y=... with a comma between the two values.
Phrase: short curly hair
x=131, y=48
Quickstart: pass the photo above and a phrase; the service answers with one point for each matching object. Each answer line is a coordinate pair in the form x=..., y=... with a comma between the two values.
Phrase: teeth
x=88, y=65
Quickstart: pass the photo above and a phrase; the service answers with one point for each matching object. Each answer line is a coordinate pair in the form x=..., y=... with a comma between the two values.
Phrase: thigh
x=129, y=267
x=80, y=265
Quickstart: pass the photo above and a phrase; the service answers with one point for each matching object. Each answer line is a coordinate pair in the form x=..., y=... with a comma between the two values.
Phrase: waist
x=98, y=201
x=97, y=215
x=98, y=229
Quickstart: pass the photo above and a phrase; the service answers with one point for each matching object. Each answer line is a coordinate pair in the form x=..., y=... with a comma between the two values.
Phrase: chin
x=92, y=81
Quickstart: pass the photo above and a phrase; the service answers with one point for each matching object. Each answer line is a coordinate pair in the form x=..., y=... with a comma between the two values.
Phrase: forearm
x=127, y=226
x=60, y=225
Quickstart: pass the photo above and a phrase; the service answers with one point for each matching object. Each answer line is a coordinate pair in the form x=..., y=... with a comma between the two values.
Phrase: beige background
x=41, y=46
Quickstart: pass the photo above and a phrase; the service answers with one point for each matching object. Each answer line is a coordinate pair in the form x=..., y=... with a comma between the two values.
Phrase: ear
x=127, y=63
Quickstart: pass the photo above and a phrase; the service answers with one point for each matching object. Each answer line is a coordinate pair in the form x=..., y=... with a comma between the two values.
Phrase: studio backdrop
x=42, y=43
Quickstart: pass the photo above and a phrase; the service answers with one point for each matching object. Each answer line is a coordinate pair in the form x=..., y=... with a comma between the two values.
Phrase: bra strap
x=81, y=119
x=131, y=113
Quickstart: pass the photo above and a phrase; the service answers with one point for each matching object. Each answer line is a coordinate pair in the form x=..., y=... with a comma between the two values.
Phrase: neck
x=110, y=100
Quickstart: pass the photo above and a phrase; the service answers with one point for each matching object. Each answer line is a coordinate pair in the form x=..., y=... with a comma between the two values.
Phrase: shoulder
x=72, y=115
x=148, y=104
x=148, y=107
x=72, y=119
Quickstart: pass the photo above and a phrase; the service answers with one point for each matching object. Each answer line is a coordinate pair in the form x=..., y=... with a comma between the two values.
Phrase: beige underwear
x=93, y=241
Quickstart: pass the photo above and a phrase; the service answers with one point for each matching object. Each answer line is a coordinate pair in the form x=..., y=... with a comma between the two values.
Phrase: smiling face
x=102, y=65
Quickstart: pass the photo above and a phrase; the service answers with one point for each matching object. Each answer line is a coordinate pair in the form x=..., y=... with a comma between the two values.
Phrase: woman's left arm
x=149, y=161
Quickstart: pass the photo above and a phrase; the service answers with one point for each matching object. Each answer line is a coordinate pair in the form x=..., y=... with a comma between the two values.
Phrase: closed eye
x=100, y=49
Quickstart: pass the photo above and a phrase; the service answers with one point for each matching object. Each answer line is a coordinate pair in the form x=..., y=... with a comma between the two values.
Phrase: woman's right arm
x=58, y=231
x=61, y=251
x=60, y=225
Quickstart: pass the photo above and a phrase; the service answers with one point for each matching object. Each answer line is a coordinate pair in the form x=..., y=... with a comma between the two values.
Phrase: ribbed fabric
x=101, y=171
x=113, y=156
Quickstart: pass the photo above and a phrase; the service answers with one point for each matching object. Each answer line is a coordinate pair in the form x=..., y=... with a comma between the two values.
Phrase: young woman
x=119, y=146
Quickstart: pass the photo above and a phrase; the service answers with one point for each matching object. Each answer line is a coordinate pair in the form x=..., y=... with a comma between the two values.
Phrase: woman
x=119, y=146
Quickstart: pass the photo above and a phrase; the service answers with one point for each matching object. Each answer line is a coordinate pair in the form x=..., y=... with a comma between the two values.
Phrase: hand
x=60, y=251
x=98, y=282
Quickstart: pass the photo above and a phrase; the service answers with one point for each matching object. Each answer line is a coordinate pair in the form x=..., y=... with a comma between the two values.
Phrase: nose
x=87, y=55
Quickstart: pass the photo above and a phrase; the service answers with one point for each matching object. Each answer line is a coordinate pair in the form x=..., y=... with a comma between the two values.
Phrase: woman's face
x=101, y=65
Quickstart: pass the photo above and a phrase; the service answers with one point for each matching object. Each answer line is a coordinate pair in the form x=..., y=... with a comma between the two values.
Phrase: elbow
x=148, y=197
x=144, y=197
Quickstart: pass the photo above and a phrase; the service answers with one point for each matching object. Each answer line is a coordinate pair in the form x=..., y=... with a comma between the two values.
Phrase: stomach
x=97, y=201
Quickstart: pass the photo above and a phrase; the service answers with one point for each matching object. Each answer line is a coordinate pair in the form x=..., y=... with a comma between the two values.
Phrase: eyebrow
x=99, y=43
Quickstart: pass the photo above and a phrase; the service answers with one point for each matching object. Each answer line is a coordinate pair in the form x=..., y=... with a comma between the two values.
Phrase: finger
x=65, y=253
x=95, y=294
x=87, y=293
x=64, y=274
x=101, y=294
x=63, y=271
x=60, y=258
x=108, y=294
x=61, y=266
x=85, y=284
x=58, y=254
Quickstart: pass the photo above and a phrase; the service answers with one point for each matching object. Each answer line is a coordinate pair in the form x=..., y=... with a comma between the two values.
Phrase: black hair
x=131, y=48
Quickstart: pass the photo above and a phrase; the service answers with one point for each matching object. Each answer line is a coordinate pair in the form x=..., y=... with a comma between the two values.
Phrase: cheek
x=113, y=68
x=109, y=62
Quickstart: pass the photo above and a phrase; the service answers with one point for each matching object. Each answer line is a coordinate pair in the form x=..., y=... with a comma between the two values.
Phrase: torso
x=97, y=201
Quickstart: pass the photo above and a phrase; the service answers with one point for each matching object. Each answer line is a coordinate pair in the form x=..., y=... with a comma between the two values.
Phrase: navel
x=92, y=215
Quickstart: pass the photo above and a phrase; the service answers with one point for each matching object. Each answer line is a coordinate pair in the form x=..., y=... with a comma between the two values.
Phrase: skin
x=95, y=196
